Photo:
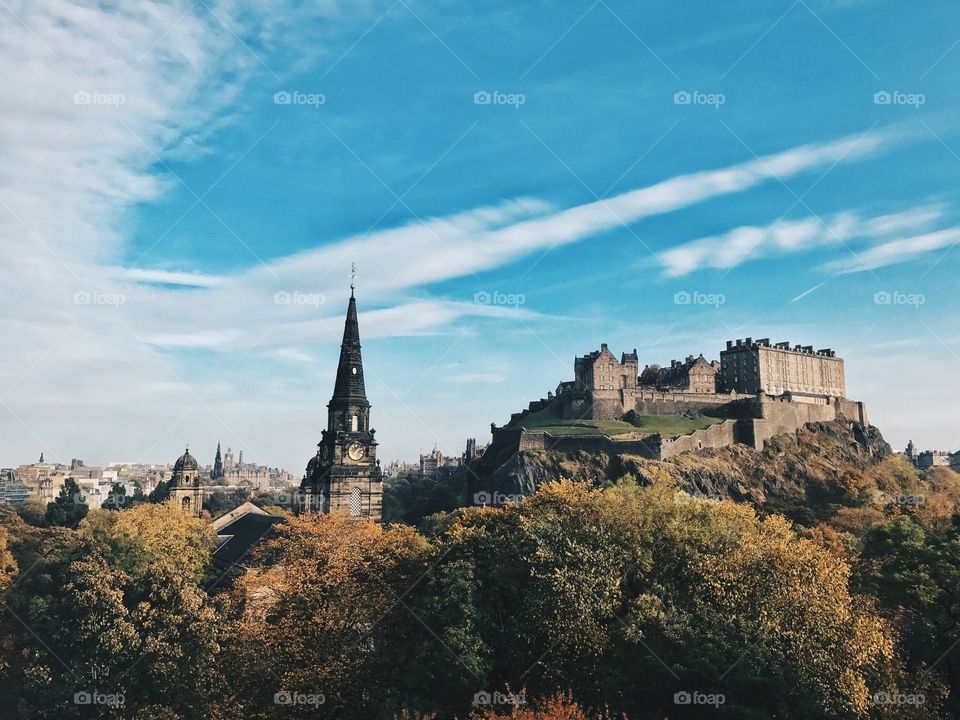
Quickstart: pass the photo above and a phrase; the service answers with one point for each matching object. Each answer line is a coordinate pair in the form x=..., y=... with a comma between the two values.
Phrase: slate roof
x=238, y=537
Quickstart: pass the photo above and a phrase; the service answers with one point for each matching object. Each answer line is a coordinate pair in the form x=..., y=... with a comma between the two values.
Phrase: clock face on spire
x=355, y=451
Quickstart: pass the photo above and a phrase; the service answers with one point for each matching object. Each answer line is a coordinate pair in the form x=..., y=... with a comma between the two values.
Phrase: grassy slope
x=667, y=425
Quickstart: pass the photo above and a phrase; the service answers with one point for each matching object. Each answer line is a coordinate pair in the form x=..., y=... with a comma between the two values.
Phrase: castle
x=755, y=391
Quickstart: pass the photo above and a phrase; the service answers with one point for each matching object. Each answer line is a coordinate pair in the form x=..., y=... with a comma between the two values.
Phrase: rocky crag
x=801, y=475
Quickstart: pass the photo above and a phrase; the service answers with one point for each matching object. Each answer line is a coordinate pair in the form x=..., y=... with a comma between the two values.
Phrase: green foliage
x=161, y=493
x=915, y=574
x=547, y=420
x=69, y=508
x=107, y=610
x=117, y=498
x=623, y=596
x=410, y=499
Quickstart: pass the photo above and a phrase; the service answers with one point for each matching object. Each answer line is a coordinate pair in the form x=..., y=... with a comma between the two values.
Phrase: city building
x=12, y=491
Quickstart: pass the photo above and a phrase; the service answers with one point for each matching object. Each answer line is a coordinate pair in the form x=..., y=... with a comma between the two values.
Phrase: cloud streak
x=750, y=242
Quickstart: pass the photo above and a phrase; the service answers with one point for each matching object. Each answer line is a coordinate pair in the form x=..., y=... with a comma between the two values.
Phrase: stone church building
x=344, y=476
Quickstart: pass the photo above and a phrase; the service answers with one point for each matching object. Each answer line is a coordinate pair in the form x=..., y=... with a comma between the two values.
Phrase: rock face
x=792, y=473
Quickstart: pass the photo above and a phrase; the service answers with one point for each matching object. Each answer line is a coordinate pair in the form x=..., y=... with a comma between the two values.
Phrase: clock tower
x=344, y=476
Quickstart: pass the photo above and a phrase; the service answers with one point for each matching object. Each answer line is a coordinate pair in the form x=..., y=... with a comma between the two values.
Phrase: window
x=354, y=423
x=356, y=502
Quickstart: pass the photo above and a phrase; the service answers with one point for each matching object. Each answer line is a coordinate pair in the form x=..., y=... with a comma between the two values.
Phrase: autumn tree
x=322, y=614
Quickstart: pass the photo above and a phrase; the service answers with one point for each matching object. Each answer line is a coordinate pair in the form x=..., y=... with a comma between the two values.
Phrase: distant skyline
x=183, y=190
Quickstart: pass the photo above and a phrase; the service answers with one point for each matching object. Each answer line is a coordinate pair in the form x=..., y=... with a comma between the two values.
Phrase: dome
x=186, y=462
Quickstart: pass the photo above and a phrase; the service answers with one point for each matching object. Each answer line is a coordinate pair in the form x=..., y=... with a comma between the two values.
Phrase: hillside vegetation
x=547, y=420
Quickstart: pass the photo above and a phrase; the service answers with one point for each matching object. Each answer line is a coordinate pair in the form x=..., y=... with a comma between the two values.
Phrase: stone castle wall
x=713, y=437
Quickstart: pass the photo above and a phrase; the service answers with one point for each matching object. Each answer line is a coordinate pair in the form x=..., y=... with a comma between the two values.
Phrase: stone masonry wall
x=715, y=436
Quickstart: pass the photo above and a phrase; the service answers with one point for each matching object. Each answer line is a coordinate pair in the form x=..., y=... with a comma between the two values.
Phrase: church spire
x=349, y=388
x=217, y=465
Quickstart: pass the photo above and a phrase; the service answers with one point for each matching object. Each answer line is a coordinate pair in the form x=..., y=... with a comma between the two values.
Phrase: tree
x=117, y=498
x=650, y=374
x=631, y=595
x=915, y=573
x=323, y=613
x=8, y=564
x=138, y=495
x=161, y=493
x=69, y=508
x=161, y=535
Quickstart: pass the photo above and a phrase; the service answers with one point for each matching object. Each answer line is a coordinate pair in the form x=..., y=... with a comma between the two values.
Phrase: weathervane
x=353, y=278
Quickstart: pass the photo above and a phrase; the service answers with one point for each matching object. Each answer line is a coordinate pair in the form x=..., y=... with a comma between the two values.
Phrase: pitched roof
x=241, y=533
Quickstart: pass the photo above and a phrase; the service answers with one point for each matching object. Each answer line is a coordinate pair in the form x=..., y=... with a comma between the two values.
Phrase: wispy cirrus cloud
x=750, y=242
x=895, y=251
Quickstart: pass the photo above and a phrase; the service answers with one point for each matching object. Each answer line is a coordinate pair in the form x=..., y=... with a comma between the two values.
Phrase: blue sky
x=788, y=166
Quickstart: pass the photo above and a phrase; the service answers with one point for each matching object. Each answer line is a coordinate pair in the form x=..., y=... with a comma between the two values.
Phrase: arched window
x=354, y=423
x=185, y=504
x=356, y=502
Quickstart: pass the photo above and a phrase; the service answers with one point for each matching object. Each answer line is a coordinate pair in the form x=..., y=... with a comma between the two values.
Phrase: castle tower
x=185, y=490
x=344, y=476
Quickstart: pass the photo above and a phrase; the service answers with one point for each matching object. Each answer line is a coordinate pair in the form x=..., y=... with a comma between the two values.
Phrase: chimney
x=729, y=344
